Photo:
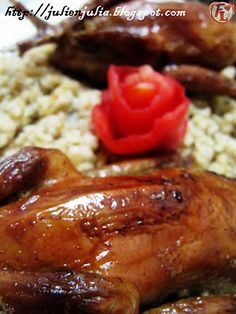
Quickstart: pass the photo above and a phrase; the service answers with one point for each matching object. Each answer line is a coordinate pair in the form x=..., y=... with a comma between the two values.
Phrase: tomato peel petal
x=126, y=126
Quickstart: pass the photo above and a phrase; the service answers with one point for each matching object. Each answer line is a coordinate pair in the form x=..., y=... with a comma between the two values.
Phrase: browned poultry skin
x=16, y=172
x=201, y=305
x=202, y=80
x=90, y=45
x=170, y=230
x=65, y=292
x=191, y=39
x=30, y=167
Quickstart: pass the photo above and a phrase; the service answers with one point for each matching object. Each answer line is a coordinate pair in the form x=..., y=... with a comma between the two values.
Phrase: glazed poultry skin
x=201, y=80
x=195, y=38
x=195, y=42
x=225, y=304
x=156, y=234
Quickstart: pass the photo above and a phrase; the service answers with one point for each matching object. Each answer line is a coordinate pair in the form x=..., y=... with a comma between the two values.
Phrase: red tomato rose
x=140, y=111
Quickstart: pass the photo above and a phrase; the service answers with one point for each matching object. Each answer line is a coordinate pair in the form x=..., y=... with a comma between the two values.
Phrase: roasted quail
x=115, y=242
x=194, y=40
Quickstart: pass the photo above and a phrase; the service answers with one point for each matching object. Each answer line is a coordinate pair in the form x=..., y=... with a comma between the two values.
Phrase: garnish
x=142, y=110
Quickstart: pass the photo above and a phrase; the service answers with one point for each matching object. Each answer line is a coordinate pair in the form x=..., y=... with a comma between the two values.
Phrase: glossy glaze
x=89, y=47
x=201, y=305
x=161, y=233
x=65, y=292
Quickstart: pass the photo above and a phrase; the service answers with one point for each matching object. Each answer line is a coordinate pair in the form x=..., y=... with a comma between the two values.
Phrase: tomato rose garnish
x=141, y=110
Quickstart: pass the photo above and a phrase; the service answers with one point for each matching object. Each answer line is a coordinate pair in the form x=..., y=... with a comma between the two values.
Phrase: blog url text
x=46, y=11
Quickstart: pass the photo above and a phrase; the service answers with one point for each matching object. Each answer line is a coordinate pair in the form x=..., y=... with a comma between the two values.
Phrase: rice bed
x=40, y=106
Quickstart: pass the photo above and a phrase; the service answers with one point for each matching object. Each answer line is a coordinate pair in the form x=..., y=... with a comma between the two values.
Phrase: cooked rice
x=39, y=106
x=211, y=135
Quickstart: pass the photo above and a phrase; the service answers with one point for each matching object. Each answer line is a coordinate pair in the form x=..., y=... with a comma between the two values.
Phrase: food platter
x=118, y=159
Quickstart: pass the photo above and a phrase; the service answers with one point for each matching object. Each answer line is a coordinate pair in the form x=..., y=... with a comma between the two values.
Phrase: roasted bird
x=201, y=305
x=75, y=244
x=89, y=45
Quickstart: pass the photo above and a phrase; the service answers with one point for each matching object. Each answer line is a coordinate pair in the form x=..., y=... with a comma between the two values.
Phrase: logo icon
x=221, y=12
